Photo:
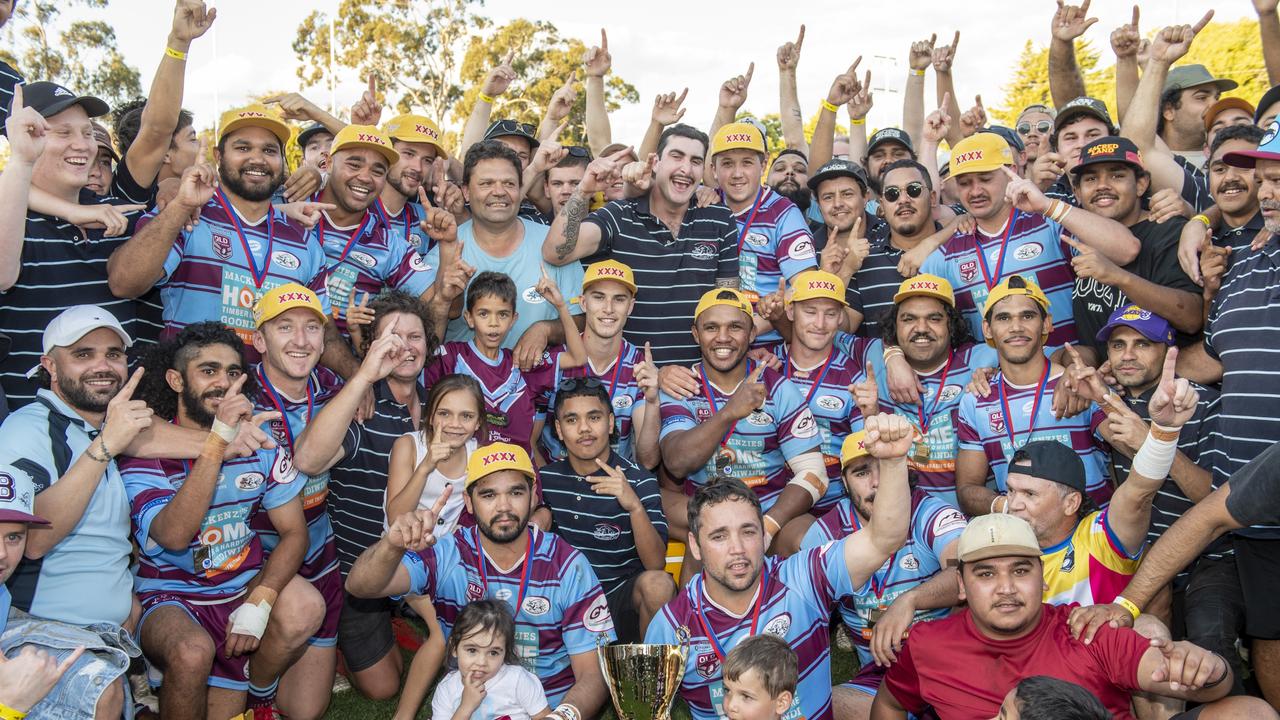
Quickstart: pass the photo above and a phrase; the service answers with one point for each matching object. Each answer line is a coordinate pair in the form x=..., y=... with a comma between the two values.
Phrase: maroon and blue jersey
x=559, y=607
x=226, y=553
x=404, y=224
x=773, y=242
x=760, y=444
x=1030, y=245
x=619, y=380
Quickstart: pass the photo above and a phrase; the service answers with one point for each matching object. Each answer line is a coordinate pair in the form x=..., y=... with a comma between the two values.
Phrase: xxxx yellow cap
x=814, y=284
x=364, y=136
x=276, y=301
x=980, y=152
x=255, y=115
x=413, y=128
x=1011, y=286
x=738, y=136
x=928, y=286
x=853, y=447
x=497, y=457
x=722, y=296
x=609, y=270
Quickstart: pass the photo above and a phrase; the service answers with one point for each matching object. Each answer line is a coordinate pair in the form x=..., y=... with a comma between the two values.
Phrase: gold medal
x=921, y=455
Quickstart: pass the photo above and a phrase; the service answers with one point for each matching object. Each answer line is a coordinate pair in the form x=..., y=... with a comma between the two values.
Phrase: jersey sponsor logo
x=1028, y=405
x=829, y=402
x=419, y=263
x=948, y=520
x=364, y=259
x=1028, y=251
x=286, y=260
x=962, y=158
x=222, y=246
x=1069, y=559
x=968, y=270
x=778, y=626
x=531, y=296
x=502, y=594
x=802, y=249
x=597, y=617
x=536, y=605
x=756, y=239
x=707, y=665
x=607, y=532
x=255, y=245
x=909, y=562
x=622, y=402
x=283, y=468
x=760, y=417
x=218, y=534
x=497, y=457
x=703, y=251
x=995, y=420
x=250, y=480
x=805, y=425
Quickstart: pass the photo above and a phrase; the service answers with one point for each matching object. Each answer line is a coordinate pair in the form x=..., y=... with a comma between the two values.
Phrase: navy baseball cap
x=837, y=167
x=1110, y=149
x=890, y=134
x=1148, y=324
x=1050, y=460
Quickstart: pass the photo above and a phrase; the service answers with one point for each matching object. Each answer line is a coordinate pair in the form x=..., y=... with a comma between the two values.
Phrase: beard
x=195, y=405
x=1273, y=224
x=502, y=537
x=796, y=193
x=78, y=395
x=236, y=184
x=734, y=584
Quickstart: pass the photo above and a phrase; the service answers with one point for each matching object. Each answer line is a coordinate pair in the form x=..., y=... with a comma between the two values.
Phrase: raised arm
x=918, y=60
x=789, y=95
x=1065, y=81
x=378, y=573
x=597, y=63
x=569, y=238
x=495, y=84
x=1269, y=28
x=888, y=439
x=943, y=59
x=1103, y=234
x=666, y=111
x=843, y=88
x=733, y=94
x=293, y=106
x=1125, y=41
x=26, y=130
x=1183, y=309
x=136, y=266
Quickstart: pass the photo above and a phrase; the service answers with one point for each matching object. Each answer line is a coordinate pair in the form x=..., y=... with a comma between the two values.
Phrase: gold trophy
x=642, y=679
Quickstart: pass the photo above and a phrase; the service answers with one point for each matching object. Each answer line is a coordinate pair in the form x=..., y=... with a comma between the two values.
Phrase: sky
x=669, y=45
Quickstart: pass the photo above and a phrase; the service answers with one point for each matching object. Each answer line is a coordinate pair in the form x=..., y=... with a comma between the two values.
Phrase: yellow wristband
x=859, y=121
x=175, y=54
x=1127, y=604
x=827, y=104
x=485, y=99
x=1204, y=219
x=918, y=73
x=8, y=713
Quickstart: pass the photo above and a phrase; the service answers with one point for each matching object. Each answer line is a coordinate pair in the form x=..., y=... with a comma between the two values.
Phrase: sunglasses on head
x=578, y=151
x=1043, y=127
x=893, y=192
x=511, y=127
x=579, y=383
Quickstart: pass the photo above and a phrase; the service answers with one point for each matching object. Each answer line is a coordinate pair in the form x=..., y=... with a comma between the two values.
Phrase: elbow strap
x=809, y=472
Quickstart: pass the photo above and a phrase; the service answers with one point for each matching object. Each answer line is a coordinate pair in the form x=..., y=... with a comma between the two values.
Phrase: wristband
x=224, y=431
x=1226, y=670
x=105, y=459
x=251, y=620
x=1163, y=433
x=859, y=121
x=8, y=713
x=175, y=54
x=568, y=712
x=776, y=527
x=1129, y=605
x=1204, y=219
x=917, y=73
x=891, y=351
x=827, y=104
x=996, y=499
x=1155, y=457
x=485, y=98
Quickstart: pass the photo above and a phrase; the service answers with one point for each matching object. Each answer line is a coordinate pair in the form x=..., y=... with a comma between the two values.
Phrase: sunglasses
x=511, y=127
x=1043, y=127
x=578, y=151
x=893, y=192
x=579, y=383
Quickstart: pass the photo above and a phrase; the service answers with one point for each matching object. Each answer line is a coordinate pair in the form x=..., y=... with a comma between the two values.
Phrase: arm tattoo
x=574, y=210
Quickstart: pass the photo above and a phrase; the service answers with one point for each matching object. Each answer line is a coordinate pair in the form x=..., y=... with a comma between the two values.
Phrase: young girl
x=489, y=681
x=425, y=462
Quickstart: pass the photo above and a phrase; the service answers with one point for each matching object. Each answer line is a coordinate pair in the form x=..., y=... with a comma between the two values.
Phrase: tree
x=1030, y=82
x=410, y=46
x=543, y=61
x=81, y=55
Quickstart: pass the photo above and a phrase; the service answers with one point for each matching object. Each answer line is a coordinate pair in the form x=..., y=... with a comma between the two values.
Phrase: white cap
x=74, y=323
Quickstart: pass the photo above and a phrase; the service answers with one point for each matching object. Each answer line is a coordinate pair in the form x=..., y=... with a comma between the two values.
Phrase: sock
x=263, y=696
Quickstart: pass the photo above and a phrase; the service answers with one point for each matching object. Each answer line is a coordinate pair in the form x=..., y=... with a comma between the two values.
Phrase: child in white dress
x=489, y=682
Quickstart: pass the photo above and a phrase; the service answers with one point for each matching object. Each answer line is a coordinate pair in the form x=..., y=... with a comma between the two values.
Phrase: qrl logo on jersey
x=707, y=664
x=968, y=270
x=474, y=591
x=996, y=421
x=222, y=246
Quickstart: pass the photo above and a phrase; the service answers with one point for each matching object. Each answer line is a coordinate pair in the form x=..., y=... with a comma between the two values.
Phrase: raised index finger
x=237, y=385
x=1203, y=21
x=1135, y=16
x=604, y=40
x=1170, y=362
x=956, y=41
x=126, y=391
x=422, y=198
x=1084, y=8
x=751, y=69
x=17, y=100
x=800, y=37
x=438, y=506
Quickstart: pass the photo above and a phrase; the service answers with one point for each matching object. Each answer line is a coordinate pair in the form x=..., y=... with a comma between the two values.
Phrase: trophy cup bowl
x=642, y=679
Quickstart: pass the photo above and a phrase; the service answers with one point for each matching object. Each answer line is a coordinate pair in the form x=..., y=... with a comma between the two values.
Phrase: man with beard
x=560, y=611
x=1018, y=230
x=1238, y=222
x=364, y=251
x=886, y=146
x=992, y=428
x=210, y=597
x=676, y=249
x=416, y=140
x=789, y=177
x=962, y=666
x=840, y=188
x=880, y=614
x=793, y=599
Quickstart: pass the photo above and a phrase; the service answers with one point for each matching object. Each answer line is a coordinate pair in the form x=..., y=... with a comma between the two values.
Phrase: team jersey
x=939, y=403
x=366, y=258
x=511, y=396
x=404, y=224
x=222, y=266
x=1030, y=245
x=322, y=554
x=757, y=449
x=561, y=610
x=624, y=395
x=225, y=554
x=981, y=425
x=773, y=242
x=1090, y=566
x=794, y=602
x=934, y=526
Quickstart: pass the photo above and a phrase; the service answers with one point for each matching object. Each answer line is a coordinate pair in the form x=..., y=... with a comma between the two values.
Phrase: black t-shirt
x=1255, y=490
x=1093, y=302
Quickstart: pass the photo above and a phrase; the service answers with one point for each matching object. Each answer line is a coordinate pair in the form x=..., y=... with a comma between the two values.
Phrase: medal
x=724, y=463
x=921, y=454
x=724, y=456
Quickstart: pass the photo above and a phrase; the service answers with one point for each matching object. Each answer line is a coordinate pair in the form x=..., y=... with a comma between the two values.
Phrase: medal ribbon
x=386, y=217
x=617, y=368
x=987, y=277
x=755, y=208
x=857, y=525
x=351, y=241
x=524, y=572
x=711, y=398
x=755, y=615
x=258, y=277
x=274, y=396
x=1035, y=407
x=831, y=355
x=937, y=399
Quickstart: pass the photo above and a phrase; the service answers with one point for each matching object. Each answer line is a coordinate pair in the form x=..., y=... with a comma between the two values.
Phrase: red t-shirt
x=962, y=674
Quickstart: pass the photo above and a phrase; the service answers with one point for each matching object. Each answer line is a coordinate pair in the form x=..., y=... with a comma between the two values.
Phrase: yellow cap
x=493, y=458
x=980, y=152
x=738, y=136
x=1002, y=291
x=853, y=448
x=255, y=115
x=609, y=270
x=286, y=297
x=364, y=136
x=928, y=286
x=711, y=298
x=814, y=284
x=413, y=128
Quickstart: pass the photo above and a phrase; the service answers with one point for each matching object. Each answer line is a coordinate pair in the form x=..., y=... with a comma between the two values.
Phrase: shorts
x=364, y=632
x=622, y=606
x=329, y=585
x=213, y=615
x=1258, y=562
x=867, y=680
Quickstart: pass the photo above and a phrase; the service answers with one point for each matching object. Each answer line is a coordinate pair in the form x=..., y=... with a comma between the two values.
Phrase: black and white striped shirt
x=8, y=79
x=671, y=273
x=872, y=288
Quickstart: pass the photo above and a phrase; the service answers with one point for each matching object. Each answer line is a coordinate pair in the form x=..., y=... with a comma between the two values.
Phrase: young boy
x=760, y=676
x=510, y=394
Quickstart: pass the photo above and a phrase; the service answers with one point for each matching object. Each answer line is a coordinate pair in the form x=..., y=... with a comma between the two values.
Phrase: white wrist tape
x=251, y=619
x=1155, y=457
x=223, y=430
x=805, y=470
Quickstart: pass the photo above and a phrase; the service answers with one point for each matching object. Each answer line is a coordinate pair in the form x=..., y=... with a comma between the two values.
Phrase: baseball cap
x=512, y=128
x=311, y=131
x=1009, y=288
x=853, y=447
x=1188, y=76
x=1150, y=325
x=1092, y=107
x=891, y=134
x=791, y=151
x=255, y=115
x=813, y=284
x=1269, y=98
x=978, y=153
x=738, y=136
x=103, y=137
x=928, y=286
x=49, y=99
x=1225, y=104
x=609, y=270
x=74, y=323
x=364, y=136
x=494, y=458
x=712, y=298
x=276, y=301
x=413, y=128
x=1109, y=149
x=1268, y=149
x=1049, y=460
x=17, y=499
x=838, y=167
x=1009, y=134
x=997, y=535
